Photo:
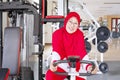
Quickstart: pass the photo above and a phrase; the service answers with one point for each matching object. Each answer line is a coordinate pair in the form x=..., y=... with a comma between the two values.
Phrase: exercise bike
x=72, y=60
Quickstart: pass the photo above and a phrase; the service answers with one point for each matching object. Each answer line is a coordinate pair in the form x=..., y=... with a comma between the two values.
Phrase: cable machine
x=44, y=18
x=15, y=7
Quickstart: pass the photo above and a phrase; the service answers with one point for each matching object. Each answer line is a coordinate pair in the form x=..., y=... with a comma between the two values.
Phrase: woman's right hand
x=53, y=68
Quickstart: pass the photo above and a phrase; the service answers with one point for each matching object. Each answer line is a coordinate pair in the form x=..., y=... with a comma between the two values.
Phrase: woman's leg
x=52, y=76
x=79, y=78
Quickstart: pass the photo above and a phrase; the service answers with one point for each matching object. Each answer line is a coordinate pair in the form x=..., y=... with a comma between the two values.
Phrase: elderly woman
x=68, y=41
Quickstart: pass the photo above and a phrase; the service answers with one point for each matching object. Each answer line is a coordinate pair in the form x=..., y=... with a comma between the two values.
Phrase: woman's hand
x=53, y=68
x=89, y=69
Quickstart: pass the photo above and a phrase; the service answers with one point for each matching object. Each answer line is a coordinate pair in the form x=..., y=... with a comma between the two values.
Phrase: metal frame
x=40, y=38
x=16, y=6
x=1, y=50
x=1, y=39
x=53, y=20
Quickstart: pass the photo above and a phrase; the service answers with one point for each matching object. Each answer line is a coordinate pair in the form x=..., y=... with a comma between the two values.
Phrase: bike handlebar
x=59, y=61
x=76, y=73
x=89, y=62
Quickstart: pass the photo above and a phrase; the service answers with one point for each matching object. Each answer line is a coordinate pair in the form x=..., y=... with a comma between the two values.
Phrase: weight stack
x=27, y=73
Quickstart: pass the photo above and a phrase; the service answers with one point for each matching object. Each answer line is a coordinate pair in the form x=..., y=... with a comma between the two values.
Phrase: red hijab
x=66, y=44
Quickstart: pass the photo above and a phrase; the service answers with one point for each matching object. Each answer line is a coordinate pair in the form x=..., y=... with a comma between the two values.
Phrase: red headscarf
x=72, y=14
x=66, y=44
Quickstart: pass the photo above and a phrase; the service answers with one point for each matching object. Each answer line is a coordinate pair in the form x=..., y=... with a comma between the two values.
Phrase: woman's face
x=72, y=25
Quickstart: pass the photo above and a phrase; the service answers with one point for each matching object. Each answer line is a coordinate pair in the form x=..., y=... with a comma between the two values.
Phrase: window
x=114, y=23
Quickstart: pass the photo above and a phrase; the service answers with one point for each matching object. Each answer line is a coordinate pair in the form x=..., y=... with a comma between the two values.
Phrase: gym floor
x=111, y=57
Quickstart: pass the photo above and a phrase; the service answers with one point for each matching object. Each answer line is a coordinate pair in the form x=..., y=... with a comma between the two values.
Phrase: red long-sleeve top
x=66, y=44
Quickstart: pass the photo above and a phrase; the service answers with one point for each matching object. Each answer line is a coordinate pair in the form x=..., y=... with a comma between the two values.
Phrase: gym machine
x=72, y=60
x=44, y=18
x=101, y=33
x=10, y=37
x=116, y=32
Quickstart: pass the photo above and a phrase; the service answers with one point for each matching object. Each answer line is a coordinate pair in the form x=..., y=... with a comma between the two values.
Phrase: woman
x=68, y=41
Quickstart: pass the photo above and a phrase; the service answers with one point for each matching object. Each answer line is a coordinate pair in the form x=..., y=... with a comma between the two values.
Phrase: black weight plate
x=102, y=47
x=88, y=46
x=94, y=40
x=103, y=33
x=103, y=67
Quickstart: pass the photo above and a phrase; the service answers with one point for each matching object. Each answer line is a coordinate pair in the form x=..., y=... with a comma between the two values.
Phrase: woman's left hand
x=89, y=69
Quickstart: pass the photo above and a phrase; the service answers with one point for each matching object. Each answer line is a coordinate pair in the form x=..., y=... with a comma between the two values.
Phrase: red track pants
x=52, y=76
